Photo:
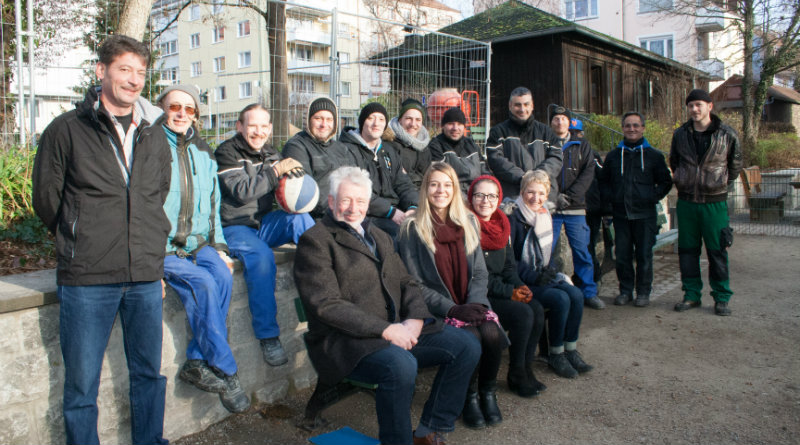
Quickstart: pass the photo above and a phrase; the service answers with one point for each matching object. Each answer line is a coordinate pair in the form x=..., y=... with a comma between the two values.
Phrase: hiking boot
x=199, y=374
x=472, y=414
x=594, y=303
x=642, y=301
x=561, y=366
x=577, y=362
x=234, y=399
x=623, y=299
x=433, y=438
x=721, y=308
x=685, y=305
x=519, y=383
x=491, y=412
x=274, y=354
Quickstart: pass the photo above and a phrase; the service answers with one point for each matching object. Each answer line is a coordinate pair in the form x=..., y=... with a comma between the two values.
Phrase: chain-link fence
x=766, y=202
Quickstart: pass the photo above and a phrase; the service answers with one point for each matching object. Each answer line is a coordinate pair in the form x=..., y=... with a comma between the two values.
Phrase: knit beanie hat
x=322, y=104
x=483, y=178
x=191, y=90
x=698, y=94
x=558, y=109
x=369, y=109
x=411, y=104
x=454, y=115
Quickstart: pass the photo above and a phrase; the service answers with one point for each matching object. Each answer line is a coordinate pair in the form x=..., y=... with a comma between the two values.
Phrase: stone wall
x=32, y=372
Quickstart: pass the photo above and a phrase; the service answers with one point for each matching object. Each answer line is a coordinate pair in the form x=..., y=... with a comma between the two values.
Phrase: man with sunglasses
x=100, y=179
x=249, y=171
x=197, y=265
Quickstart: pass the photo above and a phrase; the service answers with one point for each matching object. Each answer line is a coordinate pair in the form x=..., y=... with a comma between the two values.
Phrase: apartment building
x=223, y=50
x=705, y=39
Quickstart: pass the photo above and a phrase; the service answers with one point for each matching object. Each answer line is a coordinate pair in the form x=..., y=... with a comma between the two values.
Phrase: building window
x=614, y=90
x=578, y=93
x=219, y=64
x=244, y=59
x=218, y=35
x=344, y=58
x=303, y=85
x=344, y=88
x=702, y=46
x=222, y=94
x=194, y=41
x=580, y=9
x=217, y=6
x=194, y=13
x=245, y=90
x=168, y=48
x=243, y=29
x=303, y=52
x=170, y=75
x=197, y=69
x=661, y=45
x=654, y=5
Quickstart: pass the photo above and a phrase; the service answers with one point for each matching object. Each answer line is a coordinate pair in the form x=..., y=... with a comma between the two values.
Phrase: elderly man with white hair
x=367, y=319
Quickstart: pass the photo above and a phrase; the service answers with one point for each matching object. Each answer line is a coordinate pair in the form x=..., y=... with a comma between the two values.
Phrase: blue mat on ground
x=342, y=436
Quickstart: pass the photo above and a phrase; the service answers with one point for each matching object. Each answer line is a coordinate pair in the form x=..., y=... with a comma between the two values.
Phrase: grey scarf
x=418, y=143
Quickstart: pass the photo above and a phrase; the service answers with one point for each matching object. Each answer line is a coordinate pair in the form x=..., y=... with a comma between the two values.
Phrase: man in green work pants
x=705, y=158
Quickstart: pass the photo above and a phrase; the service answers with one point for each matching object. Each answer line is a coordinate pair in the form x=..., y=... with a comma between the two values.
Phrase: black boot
x=489, y=403
x=519, y=383
x=472, y=415
x=537, y=385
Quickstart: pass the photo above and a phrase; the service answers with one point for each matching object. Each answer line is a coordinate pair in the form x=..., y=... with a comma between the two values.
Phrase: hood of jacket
x=91, y=104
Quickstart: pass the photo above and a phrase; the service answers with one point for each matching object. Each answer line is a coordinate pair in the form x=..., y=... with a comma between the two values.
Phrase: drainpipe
x=622, y=8
x=32, y=99
x=20, y=80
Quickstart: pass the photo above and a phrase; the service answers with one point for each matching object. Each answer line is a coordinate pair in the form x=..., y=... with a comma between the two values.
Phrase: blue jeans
x=254, y=249
x=394, y=370
x=565, y=303
x=578, y=236
x=87, y=316
x=203, y=282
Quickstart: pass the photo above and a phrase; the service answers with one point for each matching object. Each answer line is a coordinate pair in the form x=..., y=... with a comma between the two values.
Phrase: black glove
x=468, y=313
x=546, y=276
x=563, y=201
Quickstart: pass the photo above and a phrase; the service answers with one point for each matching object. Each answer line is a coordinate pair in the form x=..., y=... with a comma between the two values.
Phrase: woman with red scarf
x=511, y=299
x=440, y=246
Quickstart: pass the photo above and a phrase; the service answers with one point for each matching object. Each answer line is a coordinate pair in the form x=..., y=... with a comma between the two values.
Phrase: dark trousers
x=635, y=238
x=565, y=304
x=524, y=323
x=455, y=351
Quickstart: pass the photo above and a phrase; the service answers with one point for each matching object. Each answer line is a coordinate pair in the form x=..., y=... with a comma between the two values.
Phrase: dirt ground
x=660, y=377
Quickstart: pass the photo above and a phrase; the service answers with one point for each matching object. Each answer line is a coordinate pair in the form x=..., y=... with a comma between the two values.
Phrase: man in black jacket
x=705, y=159
x=316, y=150
x=394, y=196
x=249, y=171
x=100, y=179
x=520, y=144
x=634, y=178
x=574, y=180
x=367, y=318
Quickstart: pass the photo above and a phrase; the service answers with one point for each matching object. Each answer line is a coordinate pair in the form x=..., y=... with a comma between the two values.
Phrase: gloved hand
x=563, y=201
x=468, y=313
x=546, y=276
x=522, y=294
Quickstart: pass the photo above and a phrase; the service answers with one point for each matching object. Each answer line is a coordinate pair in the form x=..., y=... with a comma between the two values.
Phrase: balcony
x=714, y=67
x=312, y=37
x=709, y=20
x=309, y=67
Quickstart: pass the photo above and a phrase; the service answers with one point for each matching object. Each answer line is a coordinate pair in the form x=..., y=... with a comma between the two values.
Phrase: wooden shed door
x=596, y=88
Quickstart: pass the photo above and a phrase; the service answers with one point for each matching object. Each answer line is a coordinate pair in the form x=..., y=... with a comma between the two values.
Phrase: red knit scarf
x=495, y=232
x=451, y=257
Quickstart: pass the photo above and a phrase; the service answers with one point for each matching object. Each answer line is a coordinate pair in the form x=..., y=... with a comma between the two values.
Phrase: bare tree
x=134, y=18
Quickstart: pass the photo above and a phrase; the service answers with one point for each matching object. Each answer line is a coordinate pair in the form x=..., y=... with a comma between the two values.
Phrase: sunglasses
x=190, y=110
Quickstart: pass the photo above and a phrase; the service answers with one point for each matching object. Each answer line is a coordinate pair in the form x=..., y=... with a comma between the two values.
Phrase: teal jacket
x=193, y=201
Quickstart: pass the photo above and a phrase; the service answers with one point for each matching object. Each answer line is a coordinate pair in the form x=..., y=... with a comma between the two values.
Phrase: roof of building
x=729, y=93
x=431, y=4
x=514, y=20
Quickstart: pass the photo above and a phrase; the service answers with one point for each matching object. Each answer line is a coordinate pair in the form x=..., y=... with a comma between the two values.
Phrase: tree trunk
x=134, y=18
x=278, y=69
x=750, y=115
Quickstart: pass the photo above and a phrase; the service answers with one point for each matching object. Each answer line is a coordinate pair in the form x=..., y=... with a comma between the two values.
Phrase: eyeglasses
x=190, y=110
x=626, y=126
x=481, y=196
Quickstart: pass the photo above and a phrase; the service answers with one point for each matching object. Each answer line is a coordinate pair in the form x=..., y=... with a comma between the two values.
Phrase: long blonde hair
x=457, y=211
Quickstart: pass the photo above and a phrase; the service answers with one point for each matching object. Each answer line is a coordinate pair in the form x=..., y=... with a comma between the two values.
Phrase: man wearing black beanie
x=394, y=196
x=705, y=159
x=455, y=148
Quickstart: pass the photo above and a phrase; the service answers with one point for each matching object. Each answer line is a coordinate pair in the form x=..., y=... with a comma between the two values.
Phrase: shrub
x=606, y=132
x=17, y=219
x=777, y=150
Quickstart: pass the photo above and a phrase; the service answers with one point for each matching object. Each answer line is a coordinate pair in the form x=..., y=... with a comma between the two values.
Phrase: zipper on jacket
x=187, y=199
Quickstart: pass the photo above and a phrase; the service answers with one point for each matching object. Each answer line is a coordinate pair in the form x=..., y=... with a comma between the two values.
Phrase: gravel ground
x=660, y=377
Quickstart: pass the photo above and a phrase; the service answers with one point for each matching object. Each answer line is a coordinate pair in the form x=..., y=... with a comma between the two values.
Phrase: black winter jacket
x=577, y=173
x=391, y=187
x=414, y=162
x=247, y=181
x=513, y=149
x=635, y=179
x=594, y=199
x=706, y=179
x=464, y=156
x=502, y=269
x=108, y=230
x=318, y=159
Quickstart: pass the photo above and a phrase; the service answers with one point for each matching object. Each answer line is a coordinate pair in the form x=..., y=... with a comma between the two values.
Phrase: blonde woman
x=532, y=238
x=441, y=248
